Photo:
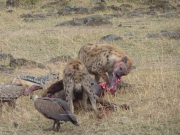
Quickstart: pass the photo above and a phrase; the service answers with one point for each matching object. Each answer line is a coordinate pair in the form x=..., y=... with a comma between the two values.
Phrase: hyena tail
x=78, y=87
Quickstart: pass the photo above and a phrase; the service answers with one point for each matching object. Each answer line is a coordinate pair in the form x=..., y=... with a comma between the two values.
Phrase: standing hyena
x=102, y=58
x=76, y=80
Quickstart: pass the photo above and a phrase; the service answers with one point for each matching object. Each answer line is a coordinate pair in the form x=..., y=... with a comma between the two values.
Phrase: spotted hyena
x=100, y=59
x=76, y=80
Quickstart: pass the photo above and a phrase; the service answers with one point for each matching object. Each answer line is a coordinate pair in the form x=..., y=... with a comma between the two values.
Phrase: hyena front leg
x=97, y=78
x=69, y=87
x=104, y=76
x=101, y=73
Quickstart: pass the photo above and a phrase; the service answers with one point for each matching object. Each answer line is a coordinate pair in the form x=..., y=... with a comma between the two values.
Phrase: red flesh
x=112, y=89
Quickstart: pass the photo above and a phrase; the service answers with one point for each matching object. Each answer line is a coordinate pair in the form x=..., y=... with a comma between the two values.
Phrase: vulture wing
x=52, y=108
x=66, y=108
x=10, y=91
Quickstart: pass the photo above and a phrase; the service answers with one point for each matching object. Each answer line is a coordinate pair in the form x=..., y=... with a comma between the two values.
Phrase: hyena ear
x=124, y=59
x=133, y=67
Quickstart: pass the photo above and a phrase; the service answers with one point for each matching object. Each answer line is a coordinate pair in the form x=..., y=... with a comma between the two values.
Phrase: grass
x=154, y=96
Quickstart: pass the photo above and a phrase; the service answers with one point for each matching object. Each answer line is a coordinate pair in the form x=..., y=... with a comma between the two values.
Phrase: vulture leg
x=12, y=103
x=54, y=124
x=1, y=108
x=51, y=128
x=58, y=126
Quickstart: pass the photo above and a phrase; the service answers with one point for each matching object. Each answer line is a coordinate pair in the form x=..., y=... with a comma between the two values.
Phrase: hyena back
x=76, y=79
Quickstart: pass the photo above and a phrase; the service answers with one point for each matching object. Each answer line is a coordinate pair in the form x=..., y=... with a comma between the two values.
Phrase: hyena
x=76, y=80
x=43, y=81
x=56, y=90
x=102, y=58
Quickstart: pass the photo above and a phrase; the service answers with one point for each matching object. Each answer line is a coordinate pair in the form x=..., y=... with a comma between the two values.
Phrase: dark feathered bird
x=55, y=90
x=9, y=93
x=55, y=109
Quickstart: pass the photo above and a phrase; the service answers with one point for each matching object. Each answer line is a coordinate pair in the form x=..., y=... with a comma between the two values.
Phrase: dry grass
x=155, y=93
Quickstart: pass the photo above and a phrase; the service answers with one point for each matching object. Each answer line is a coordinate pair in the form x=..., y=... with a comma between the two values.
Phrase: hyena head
x=121, y=68
x=54, y=75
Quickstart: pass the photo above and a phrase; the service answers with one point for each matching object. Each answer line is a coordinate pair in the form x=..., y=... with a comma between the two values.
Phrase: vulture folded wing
x=51, y=109
x=10, y=91
x=66, y=108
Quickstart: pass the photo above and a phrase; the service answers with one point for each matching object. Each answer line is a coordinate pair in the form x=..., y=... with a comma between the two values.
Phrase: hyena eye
x=92, y=84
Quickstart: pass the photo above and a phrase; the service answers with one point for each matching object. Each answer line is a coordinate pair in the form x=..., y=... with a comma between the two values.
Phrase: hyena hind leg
x=69, y=95
x=90, y=93
x=84, y=101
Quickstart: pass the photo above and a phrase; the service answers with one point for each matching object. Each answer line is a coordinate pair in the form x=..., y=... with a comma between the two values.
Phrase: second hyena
x=100, y=59
x=76, y=80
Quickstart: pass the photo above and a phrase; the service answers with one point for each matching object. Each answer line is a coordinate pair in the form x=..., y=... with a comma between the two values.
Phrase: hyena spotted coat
x=100, y=59
x=76, y=80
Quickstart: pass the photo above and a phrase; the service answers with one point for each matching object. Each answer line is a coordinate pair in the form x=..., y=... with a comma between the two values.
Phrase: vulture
x=55, y=109
x=9, y=93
